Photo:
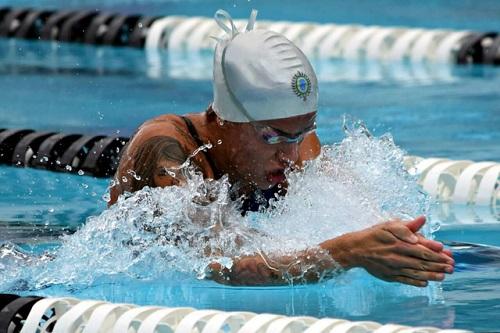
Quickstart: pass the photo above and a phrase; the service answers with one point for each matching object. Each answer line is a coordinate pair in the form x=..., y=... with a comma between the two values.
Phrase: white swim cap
x=260, y=75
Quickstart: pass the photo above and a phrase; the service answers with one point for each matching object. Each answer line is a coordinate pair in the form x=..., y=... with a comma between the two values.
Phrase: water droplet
x=221, y=122
x=81, y=172
x=124, y=179
x=84, y=185
x=219, y=142
x=100, y=115
x=435, y=226
x=133, y=174
x=51, y=210
x=68, y=168
x=106, y=197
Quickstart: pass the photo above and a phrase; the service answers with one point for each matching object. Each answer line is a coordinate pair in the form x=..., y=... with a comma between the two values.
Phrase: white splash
x=352, y=185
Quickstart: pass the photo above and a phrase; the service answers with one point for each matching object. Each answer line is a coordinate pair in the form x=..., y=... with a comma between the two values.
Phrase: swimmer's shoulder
x=174, y=128
x=165, y=137
x=167, y=125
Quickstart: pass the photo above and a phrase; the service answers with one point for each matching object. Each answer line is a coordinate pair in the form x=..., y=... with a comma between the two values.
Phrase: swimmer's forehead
x=291, y=125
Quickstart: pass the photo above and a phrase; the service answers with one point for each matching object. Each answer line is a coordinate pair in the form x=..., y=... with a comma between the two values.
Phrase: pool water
x=431, y=111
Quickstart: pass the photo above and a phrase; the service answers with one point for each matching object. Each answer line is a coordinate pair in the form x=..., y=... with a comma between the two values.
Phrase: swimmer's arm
x=308, y=266
x=387, y=250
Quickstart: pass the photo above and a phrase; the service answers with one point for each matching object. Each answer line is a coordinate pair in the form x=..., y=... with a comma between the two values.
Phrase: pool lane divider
x=448, y=181
x=94, y=155
x=34, y=314
x=181, y=33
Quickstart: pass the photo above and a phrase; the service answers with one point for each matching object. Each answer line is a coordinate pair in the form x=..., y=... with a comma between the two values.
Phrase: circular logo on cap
x=301, y=85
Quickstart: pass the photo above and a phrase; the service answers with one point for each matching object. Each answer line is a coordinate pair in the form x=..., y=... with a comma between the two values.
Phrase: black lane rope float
x=115, y=29
x=75, y=26
x=14, y=310
x=93, y=155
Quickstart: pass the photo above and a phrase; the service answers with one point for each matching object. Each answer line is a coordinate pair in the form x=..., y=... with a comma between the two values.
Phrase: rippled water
x=431, y=111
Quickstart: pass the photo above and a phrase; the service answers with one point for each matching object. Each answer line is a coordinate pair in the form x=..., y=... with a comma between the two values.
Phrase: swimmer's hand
x=393, y=251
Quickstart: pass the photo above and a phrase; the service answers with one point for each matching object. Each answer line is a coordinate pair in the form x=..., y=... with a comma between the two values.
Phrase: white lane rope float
x=458, y=182
x=69, y=315
x=320, y=40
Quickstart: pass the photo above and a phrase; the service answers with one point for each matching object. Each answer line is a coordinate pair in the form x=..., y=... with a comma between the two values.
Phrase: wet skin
x=392, y=251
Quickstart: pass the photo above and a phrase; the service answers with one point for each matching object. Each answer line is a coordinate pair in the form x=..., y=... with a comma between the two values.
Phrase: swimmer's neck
x=210, y=131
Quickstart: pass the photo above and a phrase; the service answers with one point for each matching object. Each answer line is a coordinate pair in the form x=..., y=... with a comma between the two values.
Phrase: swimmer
x=261, y=122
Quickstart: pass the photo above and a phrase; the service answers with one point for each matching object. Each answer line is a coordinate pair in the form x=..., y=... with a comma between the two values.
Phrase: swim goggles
x=274, y=136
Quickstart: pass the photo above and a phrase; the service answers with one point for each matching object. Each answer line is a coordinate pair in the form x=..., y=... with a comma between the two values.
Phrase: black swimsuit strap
x=194, y=133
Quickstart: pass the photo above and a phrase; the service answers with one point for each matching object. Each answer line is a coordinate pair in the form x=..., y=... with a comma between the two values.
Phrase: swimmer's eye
x=272, y=136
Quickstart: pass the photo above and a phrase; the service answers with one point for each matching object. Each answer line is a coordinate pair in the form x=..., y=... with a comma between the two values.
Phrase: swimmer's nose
x=289, y=154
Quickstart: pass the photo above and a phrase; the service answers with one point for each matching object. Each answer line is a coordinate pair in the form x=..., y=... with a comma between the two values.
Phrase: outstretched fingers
x=422, y=275
x=448, y=253
x=416, y=224
x=421, y=252
x=401, y=232
x=410, y=281
x=430, y=244
x=418, y=264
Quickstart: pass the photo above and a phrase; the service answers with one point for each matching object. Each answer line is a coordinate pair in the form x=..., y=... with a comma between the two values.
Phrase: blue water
x=76, y=88
x=431, y=111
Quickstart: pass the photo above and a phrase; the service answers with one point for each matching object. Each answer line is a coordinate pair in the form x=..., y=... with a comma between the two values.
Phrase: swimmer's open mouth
x=276, y=176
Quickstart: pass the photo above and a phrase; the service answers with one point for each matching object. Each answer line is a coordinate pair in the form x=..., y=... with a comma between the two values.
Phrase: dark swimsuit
x=254, y=202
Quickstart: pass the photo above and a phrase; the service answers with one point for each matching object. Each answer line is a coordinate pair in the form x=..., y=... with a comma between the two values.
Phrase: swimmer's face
x=266, y=149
